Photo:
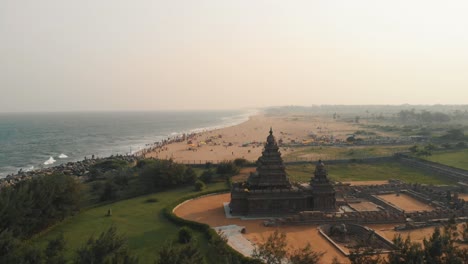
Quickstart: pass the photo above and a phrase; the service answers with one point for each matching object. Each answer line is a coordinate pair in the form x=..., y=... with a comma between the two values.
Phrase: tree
x=227, y=167
x=190, y=175
x=109, y=247
x=55, y=249
x=414, y=149
x=273, y=250
x=8, y=247
x=173, y=254
x=454, y=134
x=199, y=186
x=305, y=256
x=407, y=252
x=160, y=174
x=366, y=256
x=207, y=175
x=185, y=235
x=109, y=192
x=33, y=205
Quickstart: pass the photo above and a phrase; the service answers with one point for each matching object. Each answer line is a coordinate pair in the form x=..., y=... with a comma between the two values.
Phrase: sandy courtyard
x=406, y=202
x=209, y=210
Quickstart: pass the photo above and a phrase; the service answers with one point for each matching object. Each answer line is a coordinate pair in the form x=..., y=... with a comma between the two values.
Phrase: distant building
x=269, y=191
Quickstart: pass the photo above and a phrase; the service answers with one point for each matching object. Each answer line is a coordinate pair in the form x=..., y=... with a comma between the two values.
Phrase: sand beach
x=246, y=139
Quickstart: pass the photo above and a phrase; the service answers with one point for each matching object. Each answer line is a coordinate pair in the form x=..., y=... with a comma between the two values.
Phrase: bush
x=208, y=165
x=109, y=247
x=185, y=235
x=109, y=192
x=207, y=176
x=151, y=200
x=229, y=181
x=199, y=186
x=240, y=162
x=227, y=167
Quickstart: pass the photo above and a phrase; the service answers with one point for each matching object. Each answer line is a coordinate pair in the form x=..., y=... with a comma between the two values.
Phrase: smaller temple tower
x=323, y=192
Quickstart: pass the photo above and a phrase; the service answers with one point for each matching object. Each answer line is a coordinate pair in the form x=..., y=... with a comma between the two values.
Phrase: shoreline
x=41, y=169
x=218, y=143
x=246, y=140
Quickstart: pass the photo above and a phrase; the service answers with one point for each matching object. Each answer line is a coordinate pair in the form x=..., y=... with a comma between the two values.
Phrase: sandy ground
x=209, y=210
x=406, y=202
x=364, y=206
x=463, y=196
x=358, y=183
x=246, y=140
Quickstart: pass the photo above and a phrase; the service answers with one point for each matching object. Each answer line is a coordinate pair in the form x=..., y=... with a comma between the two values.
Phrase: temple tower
x=271, y=171
x=322, y=189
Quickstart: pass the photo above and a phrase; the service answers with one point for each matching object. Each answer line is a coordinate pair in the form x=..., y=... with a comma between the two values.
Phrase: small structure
x=268, y=192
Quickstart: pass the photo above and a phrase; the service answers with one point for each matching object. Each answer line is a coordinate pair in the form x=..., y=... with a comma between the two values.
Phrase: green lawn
x=141, y=222
x=457, y=159
x=367, y=172
x=349, y=152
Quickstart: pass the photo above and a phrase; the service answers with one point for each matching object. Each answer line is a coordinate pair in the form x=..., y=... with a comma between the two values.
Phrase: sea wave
x=62, y=156
x=50, y=161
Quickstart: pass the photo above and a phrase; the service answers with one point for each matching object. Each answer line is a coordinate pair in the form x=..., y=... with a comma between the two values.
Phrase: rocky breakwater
x=79, y=169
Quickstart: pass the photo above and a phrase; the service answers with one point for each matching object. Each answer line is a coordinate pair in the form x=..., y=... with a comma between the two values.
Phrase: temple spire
x=270, y=171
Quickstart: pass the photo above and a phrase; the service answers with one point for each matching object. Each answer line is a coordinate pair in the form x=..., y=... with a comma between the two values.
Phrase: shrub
x=199, y=186
x=227, y=167
x=207, y=176
x=185, y=235
x=240, y=162
x=151, y=200
x=208, y=165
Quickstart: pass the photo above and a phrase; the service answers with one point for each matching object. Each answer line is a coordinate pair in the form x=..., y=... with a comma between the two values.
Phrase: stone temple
x=268, y=191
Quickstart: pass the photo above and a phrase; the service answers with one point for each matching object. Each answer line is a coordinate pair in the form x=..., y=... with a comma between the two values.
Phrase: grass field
x=140, y=221
x=349, y=152
x=457, y=159
x=366, y=172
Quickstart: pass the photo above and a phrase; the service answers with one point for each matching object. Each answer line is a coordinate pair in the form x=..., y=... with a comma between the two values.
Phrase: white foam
x=62, y=156
x=50, y=161
x=29, y=169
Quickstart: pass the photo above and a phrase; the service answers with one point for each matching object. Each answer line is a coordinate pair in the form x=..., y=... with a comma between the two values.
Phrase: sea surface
x=37, y=140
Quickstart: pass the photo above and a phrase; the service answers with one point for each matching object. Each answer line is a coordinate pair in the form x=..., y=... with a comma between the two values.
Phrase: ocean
x=37, y=140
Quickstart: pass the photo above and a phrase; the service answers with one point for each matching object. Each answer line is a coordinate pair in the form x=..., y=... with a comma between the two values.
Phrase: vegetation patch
x=367, y=172
x=151, y=200
x=331, y=153
x=457, y=159
x=142, y=223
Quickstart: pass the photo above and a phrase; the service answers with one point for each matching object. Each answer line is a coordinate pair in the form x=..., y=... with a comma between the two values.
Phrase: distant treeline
x=423, y=116
x=368, y=111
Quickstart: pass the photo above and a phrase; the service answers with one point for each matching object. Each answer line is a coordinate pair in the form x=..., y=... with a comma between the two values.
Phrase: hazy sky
x=58, y=55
